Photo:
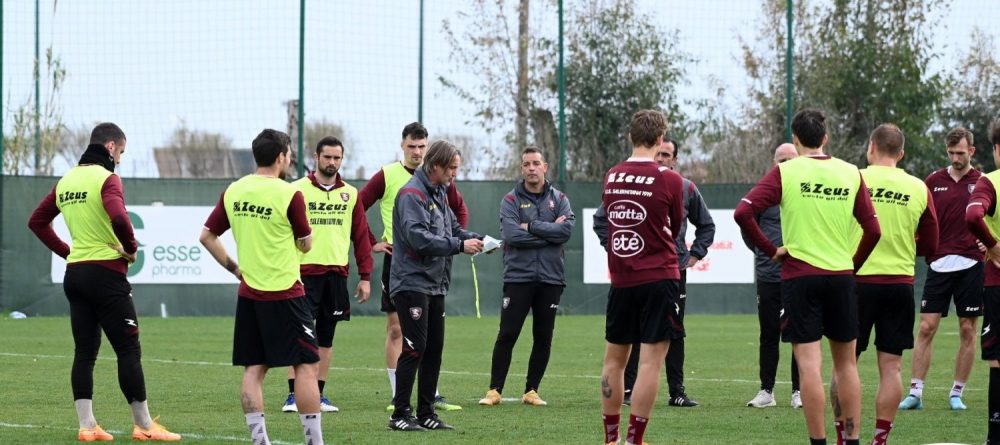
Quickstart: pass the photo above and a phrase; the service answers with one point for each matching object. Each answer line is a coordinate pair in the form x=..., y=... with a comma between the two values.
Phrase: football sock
x=611, y=424
x=140, y=414
x=291, y=386
x=994, y=407
x=312, y=428
x=85, y=413
x=392, y=379
x=882, y=429
x=636, y=429
x=917, y=387
x=956, y=389
x=258, y=432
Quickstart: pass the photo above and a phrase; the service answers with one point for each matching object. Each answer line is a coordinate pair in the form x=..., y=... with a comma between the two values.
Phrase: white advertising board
x=728, y=260
x=169, y=251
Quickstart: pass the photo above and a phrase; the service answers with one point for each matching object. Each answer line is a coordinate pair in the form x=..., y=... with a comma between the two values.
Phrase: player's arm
x=113, y=199
x=300, y=222
x=373, y=191
x=601, y=225
x=927, y=236
x=558, y=231
x=871, y=232
x=362, y=252
x=217, y=224
x=457, y=205
x=766, y=194
x=704, y=226
x=414, y=221
x=982, y=203
x=40, y=224
x=675, y=189
x=510, y=226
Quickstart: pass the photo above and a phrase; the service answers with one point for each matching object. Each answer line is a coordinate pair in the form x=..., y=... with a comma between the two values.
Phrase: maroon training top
x=767, y=193
x=645, y=208
x=113, y=197
x=983, y=202
x=218, y=223
x=950, y=199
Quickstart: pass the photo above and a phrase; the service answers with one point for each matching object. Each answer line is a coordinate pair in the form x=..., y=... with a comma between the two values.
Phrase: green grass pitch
x=192, y=386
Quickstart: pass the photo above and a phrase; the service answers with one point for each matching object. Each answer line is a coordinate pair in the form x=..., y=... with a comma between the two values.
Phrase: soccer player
x=769, y=307
x=427, y=234
x=884, y=287
x=336, y=221
x=92, y=200
x=983, y=220
x=697, y=213
x=536, y=220
x=955, y=270
x=383, y=187
x=644, y=205
x=821, y=197
x=274, y=322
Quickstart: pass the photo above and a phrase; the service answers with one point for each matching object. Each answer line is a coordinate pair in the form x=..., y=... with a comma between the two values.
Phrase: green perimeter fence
x=26, y=284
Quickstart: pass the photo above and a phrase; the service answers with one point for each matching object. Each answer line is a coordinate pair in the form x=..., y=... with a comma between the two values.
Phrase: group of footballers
x=846, y=252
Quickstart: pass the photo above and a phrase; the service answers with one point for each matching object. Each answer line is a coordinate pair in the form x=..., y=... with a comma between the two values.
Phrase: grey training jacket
x=426, y=235
x=535, y=255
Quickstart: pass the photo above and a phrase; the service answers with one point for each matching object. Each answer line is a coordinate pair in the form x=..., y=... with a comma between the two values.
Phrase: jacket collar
x=522, y=190
x=337, y=181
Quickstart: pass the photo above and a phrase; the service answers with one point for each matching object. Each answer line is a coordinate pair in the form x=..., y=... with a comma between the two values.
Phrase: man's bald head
x=784, y=152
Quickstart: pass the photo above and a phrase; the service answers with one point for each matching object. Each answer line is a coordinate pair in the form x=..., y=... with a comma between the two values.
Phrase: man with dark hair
x=769, y=306
x=955, y=270
x=644, y=205
x=983, y=220
x=274, y=323
x=91, y=198
x=337, y=222
x=821, y=197
x=383, y=187
x=427, y=235
x=535, y=221
x=885, y=283
x=698, y=214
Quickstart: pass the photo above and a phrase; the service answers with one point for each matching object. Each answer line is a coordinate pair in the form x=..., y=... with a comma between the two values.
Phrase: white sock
x=140, y=414
x=392, y=379
x=85, y=413
x=957, y=388
x=312, y=428
x=258, y=432
x=437, y=393
x=917, y=387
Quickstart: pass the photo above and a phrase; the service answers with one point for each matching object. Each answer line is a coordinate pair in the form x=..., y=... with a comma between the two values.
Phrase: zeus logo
x=308, y=331
x=820, y=189
x=130, y=322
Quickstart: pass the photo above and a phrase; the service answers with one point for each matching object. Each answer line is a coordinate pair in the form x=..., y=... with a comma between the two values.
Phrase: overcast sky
x=229, y=66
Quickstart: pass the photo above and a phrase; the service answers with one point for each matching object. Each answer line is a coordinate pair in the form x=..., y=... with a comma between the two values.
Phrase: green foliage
x=973, y=97
x=616, y=67
x=35, y=141
x=192, y=386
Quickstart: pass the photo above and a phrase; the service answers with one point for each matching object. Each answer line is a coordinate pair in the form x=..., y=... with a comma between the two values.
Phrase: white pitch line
x=124, y=433
x=443, y=371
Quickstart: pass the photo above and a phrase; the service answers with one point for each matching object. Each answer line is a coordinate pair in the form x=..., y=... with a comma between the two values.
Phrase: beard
x=958, y=165
x=282, y=174
x=329, y=172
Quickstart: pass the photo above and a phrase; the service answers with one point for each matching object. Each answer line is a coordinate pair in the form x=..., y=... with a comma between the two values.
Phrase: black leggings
x=100, y=298
x=518, y=298
x=421, y=318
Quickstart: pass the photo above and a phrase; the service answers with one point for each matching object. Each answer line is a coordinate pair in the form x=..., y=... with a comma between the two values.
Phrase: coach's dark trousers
x=421, y=318
x=101, y=299
x=519, y=298
x=769, y=317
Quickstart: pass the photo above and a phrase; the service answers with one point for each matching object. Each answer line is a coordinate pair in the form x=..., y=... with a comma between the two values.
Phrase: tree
x=863, y=62
x=617, y=63
x=316, y=130
x=617, y=66
x=975, y=93
x=20, y=154
x=199, y=153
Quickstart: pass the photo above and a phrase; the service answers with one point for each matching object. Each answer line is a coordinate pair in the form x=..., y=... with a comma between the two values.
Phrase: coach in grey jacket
x=769, y=307
x=426, y=235
x=535, y=221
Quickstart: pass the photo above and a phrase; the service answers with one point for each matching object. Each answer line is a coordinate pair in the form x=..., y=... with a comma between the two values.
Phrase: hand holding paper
x=490, y=244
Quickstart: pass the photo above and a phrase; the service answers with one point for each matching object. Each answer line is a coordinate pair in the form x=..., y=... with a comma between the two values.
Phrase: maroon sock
x=611, y=425
x=841, y=437
x=636, y=428
x=882, y=428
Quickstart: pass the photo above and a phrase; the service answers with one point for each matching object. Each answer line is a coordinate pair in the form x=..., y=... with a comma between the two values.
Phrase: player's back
x=642, y=199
